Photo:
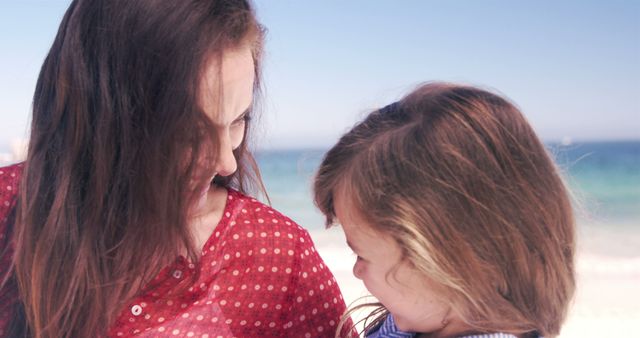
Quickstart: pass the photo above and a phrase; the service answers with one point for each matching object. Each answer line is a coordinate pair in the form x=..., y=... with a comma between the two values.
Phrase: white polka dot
x=287, y=270
x=278, y=306
x=263, y=251
x=243, y=322
x=260, y=220
x=290, y=252
x=236, y=236
x=251, y=305
x=299, y=299
x=332, y=323
x=161, y=319
x=190, y=334
x=277, y=233
x=276, y=250
x=257, y=323
x=272, y=324
x=284, y=289
x=161, y=329
x=237, y=304
x=176, y=332
x=250, y=234
x=236, y=272
x=257, y=287
x=200, y=317
x=261, y=268
x=263, y=234
x=185, y=315
x=136, y=310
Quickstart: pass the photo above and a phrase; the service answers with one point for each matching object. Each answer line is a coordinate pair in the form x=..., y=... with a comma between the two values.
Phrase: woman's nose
x=226, y=161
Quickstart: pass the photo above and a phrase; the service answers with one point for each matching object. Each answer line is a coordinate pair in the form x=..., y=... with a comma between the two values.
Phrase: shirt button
x=177, y=274
x=136, y=310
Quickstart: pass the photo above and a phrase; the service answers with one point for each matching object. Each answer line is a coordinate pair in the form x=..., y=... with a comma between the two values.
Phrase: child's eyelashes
x=358, y=257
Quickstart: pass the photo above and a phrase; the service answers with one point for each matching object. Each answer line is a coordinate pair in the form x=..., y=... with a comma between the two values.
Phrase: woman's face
x=403, y=290
x=226, y=96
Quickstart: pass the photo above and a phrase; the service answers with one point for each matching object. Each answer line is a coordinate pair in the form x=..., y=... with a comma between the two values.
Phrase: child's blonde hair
x=457, y=177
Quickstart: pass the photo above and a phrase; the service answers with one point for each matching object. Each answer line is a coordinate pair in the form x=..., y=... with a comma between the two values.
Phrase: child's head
x=457, y=212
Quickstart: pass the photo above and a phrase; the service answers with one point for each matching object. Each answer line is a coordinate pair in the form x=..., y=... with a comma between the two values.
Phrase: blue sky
x=572, y=66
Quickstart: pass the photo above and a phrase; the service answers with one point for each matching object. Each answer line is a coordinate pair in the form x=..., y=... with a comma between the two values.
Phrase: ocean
x=604, y=178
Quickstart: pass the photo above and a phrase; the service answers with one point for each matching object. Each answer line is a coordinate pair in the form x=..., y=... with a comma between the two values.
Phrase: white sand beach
x=607, y=302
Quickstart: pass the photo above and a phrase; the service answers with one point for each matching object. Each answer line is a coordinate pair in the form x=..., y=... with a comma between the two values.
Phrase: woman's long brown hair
x=458, y=178
x=116, y=134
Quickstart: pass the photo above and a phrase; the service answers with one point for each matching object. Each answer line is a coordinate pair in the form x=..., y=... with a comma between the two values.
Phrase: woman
x=129, y=215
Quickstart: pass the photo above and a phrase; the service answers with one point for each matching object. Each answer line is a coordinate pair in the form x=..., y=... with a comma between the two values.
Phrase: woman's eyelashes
x=245, y=117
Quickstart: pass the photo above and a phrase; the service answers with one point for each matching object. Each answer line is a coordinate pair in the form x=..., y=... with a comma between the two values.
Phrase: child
x=459, y=218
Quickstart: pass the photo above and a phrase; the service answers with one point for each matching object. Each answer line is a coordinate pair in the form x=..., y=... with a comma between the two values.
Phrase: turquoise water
x=605, y=177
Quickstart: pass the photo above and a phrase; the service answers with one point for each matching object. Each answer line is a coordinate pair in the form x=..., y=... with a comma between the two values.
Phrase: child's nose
x=357, y=270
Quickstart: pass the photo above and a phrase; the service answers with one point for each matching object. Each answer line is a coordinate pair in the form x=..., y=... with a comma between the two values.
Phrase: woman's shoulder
x=10, y=175
x=249, y=209
x=9, y=180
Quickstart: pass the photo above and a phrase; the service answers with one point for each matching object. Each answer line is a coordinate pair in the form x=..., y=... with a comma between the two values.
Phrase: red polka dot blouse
x=260, y=276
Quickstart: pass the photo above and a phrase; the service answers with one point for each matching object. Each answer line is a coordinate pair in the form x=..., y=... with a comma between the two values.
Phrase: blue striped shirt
x=388, y=329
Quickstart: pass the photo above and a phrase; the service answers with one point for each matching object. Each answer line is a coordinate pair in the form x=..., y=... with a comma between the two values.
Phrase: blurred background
x=573, y=67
